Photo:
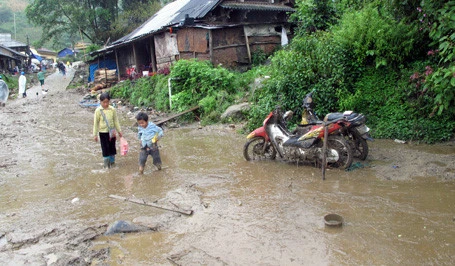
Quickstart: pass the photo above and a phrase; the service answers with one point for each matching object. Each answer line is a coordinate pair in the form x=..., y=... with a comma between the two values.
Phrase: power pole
x=15, y=35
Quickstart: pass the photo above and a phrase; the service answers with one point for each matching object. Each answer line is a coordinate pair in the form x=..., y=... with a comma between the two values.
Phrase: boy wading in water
x=148, y=134
x=106, y=125
x=40, y=76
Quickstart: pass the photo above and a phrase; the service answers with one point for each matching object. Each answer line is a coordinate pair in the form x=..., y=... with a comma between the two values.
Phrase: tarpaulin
x=37, y=57
x=109, y=64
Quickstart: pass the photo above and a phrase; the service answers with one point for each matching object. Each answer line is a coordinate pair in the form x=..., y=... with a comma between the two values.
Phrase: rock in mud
x=125, y=227
x=236, y=111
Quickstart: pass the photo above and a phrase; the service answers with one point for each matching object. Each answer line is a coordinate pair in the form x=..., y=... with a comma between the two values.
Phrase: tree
x=96, y=20
x=132, y=16
x=6, y=15
x=87, y=17
x=314, y=15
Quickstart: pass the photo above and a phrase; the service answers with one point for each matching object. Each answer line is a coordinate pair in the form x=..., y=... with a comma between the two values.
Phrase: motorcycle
x=354, y=130
x=274, y=138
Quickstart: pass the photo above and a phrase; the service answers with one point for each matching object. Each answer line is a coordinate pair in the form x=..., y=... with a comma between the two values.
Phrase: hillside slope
x=17, y=24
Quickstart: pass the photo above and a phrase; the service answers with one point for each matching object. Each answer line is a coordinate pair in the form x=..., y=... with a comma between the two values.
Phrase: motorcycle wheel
x=359, y=145
x=343, y=152
x=254, y=150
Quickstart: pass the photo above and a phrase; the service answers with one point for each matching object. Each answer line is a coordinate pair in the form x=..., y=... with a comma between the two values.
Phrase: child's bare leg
x=141, y=170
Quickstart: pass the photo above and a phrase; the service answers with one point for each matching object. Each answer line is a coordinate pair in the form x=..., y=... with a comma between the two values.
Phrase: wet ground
x=398, y=206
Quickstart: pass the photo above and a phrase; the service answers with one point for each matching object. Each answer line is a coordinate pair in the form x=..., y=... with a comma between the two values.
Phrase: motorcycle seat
x=351, y=117
x=332, y=117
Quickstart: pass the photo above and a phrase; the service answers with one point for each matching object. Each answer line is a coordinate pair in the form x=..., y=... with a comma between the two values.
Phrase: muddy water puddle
x=245, y=213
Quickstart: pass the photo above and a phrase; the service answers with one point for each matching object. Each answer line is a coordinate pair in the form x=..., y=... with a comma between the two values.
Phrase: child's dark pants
x=152, y=151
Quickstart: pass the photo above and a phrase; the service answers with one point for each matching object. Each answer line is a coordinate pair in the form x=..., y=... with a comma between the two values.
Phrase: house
x=12, y=53
x=10, y=58
x=7, y=41
x=66, y=52
x=226, y=32
x=81, y=46
x=47, y=54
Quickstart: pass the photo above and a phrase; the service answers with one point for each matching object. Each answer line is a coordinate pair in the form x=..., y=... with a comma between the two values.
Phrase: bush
x=146, y=91
x=193, y=83
x=397, y=106
x=311, y=62
x=197, y=82
x=374, y=37
x=12, y=82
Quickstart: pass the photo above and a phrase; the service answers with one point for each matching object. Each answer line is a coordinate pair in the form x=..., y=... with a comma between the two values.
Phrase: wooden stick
x=158, y=123
x=143, y=202
x=324, y=150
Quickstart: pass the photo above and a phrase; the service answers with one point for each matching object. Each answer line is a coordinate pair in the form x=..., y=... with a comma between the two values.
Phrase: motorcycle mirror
x=308, y=101
x=288, y=115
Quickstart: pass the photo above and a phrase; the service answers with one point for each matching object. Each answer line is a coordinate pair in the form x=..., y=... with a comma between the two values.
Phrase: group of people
x=106, y=126
x=23, y=83
x=61, y=67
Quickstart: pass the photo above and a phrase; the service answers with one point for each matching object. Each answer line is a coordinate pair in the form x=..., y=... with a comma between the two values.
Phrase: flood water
x=245, y=213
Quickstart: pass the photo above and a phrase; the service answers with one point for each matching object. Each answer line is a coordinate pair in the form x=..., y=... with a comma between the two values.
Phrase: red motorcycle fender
x=332, y=128
x=258, y=132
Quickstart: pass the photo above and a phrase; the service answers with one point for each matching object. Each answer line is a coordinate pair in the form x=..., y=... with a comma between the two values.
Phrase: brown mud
x=398, y=205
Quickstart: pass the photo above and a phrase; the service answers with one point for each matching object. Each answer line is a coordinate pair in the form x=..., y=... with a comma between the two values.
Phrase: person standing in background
x=40, y=76
x=22, y=84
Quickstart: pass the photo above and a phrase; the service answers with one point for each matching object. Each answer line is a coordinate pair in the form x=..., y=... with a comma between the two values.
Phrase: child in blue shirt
x=148, y=134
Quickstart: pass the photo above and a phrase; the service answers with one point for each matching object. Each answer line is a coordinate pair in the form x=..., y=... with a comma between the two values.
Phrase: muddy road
x=398, y=206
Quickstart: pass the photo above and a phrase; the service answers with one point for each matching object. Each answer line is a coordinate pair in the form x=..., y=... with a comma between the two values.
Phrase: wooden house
x=226, y=32
x=12, y=53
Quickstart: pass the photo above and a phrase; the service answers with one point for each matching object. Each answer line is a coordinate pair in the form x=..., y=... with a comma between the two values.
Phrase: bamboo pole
x=247, y=43
x=324, y=150
x=117, y=65
x=143, y=202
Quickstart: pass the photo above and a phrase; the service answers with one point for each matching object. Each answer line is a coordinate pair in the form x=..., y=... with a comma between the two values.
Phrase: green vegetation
x=12, y=82
x=193, y=83
x=14, y=21
x=147, y=91
x=96, y=21
x=393, y=62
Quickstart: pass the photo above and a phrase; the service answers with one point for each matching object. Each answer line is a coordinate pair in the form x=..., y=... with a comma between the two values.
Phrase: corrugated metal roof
x=171, y=14
x=12, y=51
x=174, y=12
x=13, y=44
x=261, y=7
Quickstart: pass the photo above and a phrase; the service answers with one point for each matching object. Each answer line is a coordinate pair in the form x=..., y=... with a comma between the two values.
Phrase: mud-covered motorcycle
x=354, y=130
x=274, y=138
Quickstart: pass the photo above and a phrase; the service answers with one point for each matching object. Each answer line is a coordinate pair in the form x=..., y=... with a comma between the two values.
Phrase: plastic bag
x=123, y=146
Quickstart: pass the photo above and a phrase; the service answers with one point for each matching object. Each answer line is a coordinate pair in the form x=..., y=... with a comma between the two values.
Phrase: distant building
x=67, y=52
x=9, y=59
x=7, y=41
x=12, y=53
x=47, y=54
x=81, y=46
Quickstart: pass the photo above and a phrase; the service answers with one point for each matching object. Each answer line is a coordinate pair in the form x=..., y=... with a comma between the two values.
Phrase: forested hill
x=14, y=11
x=66, y=23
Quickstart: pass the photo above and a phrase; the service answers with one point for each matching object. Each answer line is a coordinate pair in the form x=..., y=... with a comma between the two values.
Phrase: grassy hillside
x=10, y=9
